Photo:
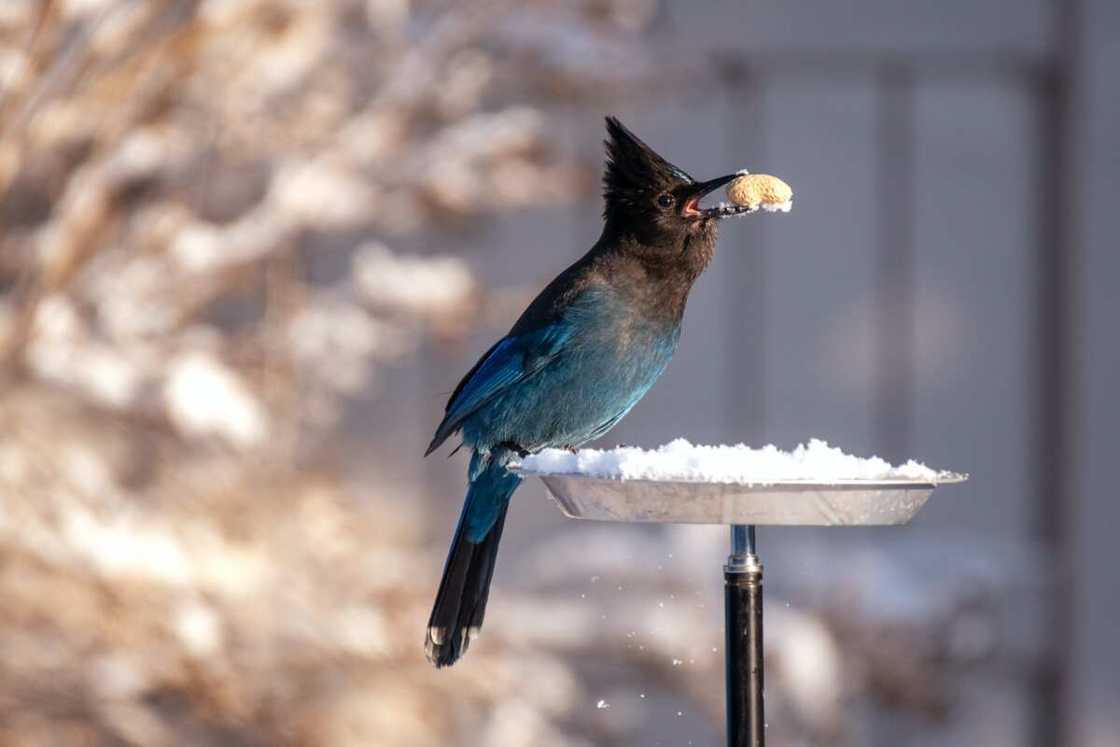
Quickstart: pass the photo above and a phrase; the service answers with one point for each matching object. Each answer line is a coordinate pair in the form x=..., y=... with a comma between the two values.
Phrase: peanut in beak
x=760, y=190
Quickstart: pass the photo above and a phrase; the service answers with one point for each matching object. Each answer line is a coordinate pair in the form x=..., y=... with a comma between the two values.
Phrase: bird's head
x=652, y=199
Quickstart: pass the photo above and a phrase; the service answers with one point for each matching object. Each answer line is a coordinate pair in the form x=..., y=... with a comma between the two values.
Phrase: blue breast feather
x=565, y=383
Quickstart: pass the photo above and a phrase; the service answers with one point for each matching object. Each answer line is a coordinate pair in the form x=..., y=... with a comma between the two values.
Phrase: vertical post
x=1059, y=330
x=742, y=577
x=896, y=326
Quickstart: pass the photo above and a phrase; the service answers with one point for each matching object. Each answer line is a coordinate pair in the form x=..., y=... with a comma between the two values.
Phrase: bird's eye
x=665, y=201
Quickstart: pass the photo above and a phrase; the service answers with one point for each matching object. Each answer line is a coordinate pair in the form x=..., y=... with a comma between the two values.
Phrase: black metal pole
x=742, y=577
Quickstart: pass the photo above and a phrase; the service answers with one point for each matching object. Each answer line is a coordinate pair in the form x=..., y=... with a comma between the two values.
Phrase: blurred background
x=247, y=247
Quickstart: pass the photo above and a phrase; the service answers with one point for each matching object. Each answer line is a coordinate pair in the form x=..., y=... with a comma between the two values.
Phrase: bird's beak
x=691, y=205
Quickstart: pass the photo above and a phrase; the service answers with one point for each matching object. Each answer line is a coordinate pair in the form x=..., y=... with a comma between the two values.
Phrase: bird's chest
x=643, y=322
x=628, y=350
x=613, y=355
x=641, y=343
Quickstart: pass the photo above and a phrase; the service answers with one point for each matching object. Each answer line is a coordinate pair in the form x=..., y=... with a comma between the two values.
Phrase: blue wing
x=513, y=359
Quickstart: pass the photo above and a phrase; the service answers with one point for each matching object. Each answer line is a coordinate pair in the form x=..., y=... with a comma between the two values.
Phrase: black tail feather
x=461, y=601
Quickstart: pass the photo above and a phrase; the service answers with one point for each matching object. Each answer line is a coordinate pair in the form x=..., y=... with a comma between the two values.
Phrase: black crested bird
x=584, y=352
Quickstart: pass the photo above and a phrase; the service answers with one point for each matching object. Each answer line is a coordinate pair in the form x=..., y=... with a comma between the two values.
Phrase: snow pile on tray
x=681, y=460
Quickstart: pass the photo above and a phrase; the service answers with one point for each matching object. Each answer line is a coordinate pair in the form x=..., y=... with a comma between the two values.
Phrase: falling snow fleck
x=677, y=662
x=602, y=705
x=642, y=696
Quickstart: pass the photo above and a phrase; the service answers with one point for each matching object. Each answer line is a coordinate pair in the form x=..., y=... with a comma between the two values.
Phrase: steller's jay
x=584, y=352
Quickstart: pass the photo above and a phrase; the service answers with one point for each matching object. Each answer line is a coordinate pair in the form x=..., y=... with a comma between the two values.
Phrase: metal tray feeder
x=743, y=506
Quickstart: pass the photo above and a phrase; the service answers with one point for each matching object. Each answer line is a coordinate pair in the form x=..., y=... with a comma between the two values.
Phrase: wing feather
x=510, y=360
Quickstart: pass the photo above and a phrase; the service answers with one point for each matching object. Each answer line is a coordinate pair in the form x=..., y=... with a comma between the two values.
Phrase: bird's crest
x=634, y=168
